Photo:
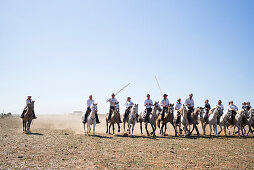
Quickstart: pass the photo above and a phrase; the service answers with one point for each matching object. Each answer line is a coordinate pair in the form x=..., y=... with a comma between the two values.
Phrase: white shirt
x=178, y=106
x=233, y=107
x=89, y=102
x=112, y=101
x=221, y=106
x=189, y=102
x=28, y=101
x=148, y=103
x=128, y=104
x=165, y=103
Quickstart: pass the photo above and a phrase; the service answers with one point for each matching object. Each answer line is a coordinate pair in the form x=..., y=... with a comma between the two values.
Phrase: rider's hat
x=165, y=95
x=113, y=94
x=178, y=99
x=148, y=95
x=128, y=97
x=29, y=96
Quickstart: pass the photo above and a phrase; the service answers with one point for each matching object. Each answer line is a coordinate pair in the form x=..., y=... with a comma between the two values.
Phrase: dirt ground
x=58, y=142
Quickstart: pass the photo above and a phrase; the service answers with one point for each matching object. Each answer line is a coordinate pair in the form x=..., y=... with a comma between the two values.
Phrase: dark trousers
x=24, y=111
x=206, y=114
x=190, y=110
x=165, y=109
x=127, y=112
x=148, y=112
x=112, y=108
x=88, y=111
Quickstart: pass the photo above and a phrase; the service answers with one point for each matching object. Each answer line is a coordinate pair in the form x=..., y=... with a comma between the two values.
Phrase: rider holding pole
x=112, y=102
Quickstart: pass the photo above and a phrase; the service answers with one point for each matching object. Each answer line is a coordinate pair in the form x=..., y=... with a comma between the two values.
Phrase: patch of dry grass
x=50, y=148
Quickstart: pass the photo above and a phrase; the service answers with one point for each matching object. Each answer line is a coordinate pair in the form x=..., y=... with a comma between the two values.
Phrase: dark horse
x=28, y=117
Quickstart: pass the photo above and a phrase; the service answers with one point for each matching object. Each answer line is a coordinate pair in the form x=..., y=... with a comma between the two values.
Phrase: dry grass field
x=57, y=142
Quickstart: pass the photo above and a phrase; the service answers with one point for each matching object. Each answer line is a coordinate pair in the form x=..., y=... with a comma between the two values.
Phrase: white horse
x=224, y=119
x=238, y=121
x=212, y=119
x=151, y=118
x=132, y=118
x=184, y=120
x=91, y=120
x=250, y=121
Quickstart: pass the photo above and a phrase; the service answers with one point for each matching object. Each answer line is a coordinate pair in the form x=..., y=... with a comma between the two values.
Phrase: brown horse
x=169, y=117
x=115, y=118
x=28, y=117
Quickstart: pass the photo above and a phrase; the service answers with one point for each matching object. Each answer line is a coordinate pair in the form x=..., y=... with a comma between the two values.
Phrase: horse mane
x=181, y=111
x=211, y=110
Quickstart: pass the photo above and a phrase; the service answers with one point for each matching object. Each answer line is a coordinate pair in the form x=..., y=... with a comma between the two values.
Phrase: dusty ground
x=57, y=142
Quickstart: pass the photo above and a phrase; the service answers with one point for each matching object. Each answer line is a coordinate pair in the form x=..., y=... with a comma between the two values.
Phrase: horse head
x=171, y=108
x=31, y=105
x=94, y=106
x=117, y=106
x=157, y=106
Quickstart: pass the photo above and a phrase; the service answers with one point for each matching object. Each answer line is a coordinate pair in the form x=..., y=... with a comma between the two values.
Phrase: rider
x=221, y=107
x=207, y=108
x=248, y=106
x=178, y=104
x=164, y=103
x=177, y=107
x=89, y=102
x=190, y=104
x=128, y=105
x=244, y=106
x=28, y=101
x=148, y=104
x=234, y=109
x=113, y=102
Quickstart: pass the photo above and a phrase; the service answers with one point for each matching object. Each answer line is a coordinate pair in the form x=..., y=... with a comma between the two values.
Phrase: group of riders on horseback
x=165, y=104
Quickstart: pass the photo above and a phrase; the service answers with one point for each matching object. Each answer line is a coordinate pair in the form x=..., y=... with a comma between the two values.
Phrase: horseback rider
x=164, y=103
x=112, y=102
x=128, y=105
x=207, y=108
x=148, y=104
x=248, y=106
x=221, y=107
x=89, y=102
x=190, y=104
x=234, y=109
x=244, y=106
x=28, y=101
x=177, y=107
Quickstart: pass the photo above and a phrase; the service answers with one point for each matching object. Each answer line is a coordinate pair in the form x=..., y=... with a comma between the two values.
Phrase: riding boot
x=97, y=118
x=22, y=115
x=109, y=115
x=162, y=116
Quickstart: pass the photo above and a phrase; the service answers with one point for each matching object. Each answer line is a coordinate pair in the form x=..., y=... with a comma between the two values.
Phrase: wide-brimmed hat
x=178, y=99
x=165, y=95
x=29, y=96
x=113, y=94
x=128, y=97
x=148, y=95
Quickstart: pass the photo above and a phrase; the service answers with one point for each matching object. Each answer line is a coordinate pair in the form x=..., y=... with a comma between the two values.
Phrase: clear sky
x=61, y=51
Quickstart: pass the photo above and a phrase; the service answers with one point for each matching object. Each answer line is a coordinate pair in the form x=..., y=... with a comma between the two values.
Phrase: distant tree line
x=5, y=114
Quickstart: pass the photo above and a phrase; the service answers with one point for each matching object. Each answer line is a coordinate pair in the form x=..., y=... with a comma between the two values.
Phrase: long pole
x=158, y=85
x=122, y=88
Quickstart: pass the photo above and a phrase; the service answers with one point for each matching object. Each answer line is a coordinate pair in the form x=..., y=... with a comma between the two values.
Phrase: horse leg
x=165, y=130
x=133, y=127
x=210, y=129
x=225, y=130
x=124, y=126
x=215, y=127
x=129, y=128
x=220, y=129
x=118, y=127
x=161, y=129
x=196, y=128
x=107, y=128
x=24, y=126
x=152, y=125
x=94, y=123
x=146, y=129
x=113, y=128
x=141, y=128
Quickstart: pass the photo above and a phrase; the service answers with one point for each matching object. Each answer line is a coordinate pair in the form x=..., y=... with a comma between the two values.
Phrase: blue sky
x=61, y=51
